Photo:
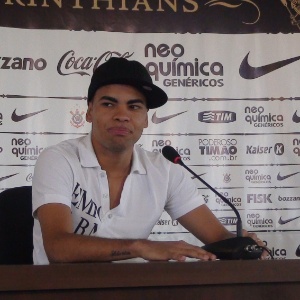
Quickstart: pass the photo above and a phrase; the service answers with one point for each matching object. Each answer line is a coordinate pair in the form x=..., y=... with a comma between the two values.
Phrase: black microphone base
x=235, y=248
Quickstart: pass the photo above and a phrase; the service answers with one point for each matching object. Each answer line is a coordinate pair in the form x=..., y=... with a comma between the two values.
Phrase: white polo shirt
x=69, y=173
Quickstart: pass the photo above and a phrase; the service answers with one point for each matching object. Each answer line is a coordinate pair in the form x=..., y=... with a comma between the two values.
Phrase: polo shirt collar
x=88, y=157
x=137, y=164
x=86, y=152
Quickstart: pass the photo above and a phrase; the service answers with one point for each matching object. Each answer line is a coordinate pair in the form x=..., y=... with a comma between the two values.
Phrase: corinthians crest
x=293, y=7
x=77, y=119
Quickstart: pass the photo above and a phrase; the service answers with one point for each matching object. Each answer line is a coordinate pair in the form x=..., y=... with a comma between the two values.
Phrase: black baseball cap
x=119, y=70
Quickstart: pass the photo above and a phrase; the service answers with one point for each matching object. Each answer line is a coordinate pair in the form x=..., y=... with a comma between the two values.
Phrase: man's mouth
x=119, y=131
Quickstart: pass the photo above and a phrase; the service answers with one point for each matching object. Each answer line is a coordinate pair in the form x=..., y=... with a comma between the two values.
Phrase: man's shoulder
x=151, y=160
x=146, y=154
x=66, y=148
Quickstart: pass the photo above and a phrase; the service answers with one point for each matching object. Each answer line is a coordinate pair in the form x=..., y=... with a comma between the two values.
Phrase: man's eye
x=135, y=107
x=107, y=104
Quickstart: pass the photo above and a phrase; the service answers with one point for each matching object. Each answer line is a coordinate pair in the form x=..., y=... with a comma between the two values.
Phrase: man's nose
x=122, y=114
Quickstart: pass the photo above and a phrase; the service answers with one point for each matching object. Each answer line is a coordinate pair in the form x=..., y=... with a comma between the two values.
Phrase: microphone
x=238, y=247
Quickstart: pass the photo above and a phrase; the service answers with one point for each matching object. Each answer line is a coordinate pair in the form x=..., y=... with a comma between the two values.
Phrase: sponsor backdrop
x=230, y=69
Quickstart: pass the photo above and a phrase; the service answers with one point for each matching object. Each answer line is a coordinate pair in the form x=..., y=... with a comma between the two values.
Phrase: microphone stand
x=238, y=247
x=239, y=226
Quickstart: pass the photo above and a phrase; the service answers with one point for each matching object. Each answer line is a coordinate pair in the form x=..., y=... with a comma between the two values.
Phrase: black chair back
x=16, y=224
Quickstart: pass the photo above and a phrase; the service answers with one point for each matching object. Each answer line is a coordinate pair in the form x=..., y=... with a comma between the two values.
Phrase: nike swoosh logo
x=157, y=120
x=6, y=177
x=296, y=119
x=18, y=118
x=249, y=72
x=193, y=177
x=280, y=178
x=282, y=222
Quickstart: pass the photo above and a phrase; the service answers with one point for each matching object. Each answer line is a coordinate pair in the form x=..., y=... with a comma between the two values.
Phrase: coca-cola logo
x=70, y=63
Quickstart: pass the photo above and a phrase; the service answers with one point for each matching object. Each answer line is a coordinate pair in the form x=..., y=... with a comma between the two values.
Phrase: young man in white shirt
x=96, y=198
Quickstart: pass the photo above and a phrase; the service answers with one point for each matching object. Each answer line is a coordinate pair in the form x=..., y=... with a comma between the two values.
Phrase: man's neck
x=115, y=163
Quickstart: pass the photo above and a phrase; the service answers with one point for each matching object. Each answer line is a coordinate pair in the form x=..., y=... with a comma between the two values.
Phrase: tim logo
x=228, y=220
x=217, y=116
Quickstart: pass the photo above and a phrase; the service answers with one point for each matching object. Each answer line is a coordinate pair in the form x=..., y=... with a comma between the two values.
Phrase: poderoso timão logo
x=217, y=116
x=219, y=149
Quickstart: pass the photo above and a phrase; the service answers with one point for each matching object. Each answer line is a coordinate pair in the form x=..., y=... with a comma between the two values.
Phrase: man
x=96, y=198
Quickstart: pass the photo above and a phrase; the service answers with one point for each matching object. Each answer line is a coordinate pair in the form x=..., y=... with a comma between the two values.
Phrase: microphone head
x=171, y=154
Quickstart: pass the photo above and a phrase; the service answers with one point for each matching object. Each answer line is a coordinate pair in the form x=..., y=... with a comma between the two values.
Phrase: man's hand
x=177, y=250
x=259, y=242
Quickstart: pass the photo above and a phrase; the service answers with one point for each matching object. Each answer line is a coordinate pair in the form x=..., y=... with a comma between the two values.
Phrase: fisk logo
x=259, y=198
x=217, y=116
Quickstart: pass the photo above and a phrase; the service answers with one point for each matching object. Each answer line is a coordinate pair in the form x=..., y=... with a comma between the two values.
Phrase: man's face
x=118, y=114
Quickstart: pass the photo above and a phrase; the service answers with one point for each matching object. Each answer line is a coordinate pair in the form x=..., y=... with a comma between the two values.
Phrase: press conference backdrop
x=230, y=68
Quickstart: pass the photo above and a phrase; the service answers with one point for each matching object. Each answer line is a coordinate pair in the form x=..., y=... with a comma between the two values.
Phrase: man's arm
x=62, y=245
x=203, y=224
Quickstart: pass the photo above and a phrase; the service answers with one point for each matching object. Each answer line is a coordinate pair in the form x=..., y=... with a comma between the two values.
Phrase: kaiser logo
x=278, y=148
x=257, y=149
x=217, y=116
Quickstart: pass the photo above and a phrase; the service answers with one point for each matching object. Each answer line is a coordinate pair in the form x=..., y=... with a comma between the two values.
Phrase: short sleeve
x=52, y=180
x=183, y=195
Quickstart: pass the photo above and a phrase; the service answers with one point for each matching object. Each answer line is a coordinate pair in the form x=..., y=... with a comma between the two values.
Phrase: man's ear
x=89, y=111
x=146, y=121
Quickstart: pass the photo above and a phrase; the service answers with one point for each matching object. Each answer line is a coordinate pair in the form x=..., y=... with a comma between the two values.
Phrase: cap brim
x=155, y=96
